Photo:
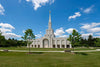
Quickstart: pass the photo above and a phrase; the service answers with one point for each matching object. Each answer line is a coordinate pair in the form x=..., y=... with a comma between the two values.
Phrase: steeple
x=49, y=31
x=49, y=16
x=49, y=25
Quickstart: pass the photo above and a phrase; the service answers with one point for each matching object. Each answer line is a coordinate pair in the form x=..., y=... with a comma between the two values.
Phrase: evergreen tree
x=90, y=41
x=2, y=40
x=97, y=42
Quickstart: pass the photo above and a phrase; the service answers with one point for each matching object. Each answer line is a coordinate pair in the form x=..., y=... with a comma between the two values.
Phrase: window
x=53, y=46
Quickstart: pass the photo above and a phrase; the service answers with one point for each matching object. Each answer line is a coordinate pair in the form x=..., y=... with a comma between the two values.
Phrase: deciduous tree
x=29, y=36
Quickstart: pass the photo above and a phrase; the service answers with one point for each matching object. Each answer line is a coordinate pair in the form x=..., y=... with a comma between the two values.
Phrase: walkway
x=53, y=51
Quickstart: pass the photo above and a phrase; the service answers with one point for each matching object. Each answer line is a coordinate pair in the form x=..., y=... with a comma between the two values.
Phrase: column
x=70, y=46
x=55, y=43
x=36, y=45
x=60, y=43
x=51, y=45
x=41, y=44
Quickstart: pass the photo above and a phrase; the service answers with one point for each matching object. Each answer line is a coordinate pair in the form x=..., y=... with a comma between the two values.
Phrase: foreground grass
x=46, y=49
x=15, y=59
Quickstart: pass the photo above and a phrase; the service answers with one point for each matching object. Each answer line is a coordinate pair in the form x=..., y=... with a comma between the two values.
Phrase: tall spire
x=49, y=16
x=49, y=20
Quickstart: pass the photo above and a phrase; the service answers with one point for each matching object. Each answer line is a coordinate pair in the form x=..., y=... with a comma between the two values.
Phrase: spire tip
x=49, y=11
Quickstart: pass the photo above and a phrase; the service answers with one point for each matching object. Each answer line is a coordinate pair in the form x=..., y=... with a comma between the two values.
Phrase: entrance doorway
x=45, y=43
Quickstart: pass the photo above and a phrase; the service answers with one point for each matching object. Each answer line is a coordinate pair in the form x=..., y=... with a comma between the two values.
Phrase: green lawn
x=46, y=49
x=15, y=59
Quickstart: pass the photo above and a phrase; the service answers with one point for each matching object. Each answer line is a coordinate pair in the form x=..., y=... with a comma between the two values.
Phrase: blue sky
x=18, y=15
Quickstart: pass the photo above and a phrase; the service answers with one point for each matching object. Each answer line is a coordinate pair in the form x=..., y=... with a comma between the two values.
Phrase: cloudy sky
x=18, y=15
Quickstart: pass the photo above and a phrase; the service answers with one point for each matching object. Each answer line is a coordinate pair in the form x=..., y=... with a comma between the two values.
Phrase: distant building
x=49, y=40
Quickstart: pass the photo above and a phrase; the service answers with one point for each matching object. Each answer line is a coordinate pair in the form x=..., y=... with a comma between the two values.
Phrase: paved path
x=53, y=51
x=87, y=50
x=31, y=51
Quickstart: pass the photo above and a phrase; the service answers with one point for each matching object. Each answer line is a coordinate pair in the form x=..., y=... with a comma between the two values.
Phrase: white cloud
x=97, y=29
x=63, y=36
x=97, y=33
x=19, y=1
x=70, y=30
x=10, y=35
x=38, y=35
x=6, y=30
x=40, y=32
x=86, y=26
x=77, y=14
x=86, y=35
x=59, y=32
x=52, y=1
x=39, y=3
x=2, y=10
x=6, y=25
x=96, y=36
x=81, y=8
x=93, y=27
x=23, y=31
x=82, y=32
x=88, y=10
x=28, y=0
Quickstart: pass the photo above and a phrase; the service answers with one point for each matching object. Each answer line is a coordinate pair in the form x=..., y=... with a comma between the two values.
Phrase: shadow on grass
x=35, y=53
x=81, y=53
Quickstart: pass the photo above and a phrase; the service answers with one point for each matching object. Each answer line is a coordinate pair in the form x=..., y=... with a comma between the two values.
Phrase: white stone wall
x=53, y=43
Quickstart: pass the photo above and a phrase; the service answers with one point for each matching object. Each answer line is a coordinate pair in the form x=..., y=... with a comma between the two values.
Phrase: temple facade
x=49, y=40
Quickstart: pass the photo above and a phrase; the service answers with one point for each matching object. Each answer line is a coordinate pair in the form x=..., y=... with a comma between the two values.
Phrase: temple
x=49, y=40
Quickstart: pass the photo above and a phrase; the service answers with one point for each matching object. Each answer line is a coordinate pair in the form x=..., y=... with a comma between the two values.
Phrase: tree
x=84, y=42
x=2, y=40
x=97, y=42
x=21, y=43
x=74, y=38
x=28, y=37
x=90, y=40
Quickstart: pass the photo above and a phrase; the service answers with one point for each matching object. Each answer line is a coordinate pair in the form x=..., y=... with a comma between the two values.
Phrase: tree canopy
x=28, y=34
x=28, y=37
x=77, y=40
x=74, y=38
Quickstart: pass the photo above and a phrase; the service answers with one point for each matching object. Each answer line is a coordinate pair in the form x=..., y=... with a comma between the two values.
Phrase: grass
x=15, y=59
x=46, y=49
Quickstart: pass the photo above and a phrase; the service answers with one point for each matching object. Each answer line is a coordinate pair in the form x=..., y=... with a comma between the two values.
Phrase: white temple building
x=49, y=40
